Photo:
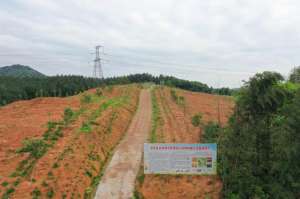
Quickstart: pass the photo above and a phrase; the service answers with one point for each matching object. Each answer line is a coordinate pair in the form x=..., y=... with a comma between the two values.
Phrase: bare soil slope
x=174, y=125
x=119, y=177
x=64, y=158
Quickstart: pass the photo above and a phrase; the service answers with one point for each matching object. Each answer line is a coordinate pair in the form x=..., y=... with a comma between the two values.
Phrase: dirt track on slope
x=118, y=180
x=175, y=126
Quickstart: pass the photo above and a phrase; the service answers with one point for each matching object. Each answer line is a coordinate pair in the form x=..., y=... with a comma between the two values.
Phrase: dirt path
x=118, y=180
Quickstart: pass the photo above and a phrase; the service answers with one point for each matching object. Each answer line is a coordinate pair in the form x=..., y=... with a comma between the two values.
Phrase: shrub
x=197, y=119
x=36, y=147
x=211, y=132
x=99, y=92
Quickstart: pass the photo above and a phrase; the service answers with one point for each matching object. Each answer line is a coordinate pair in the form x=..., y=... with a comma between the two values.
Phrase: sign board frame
x=180, y=158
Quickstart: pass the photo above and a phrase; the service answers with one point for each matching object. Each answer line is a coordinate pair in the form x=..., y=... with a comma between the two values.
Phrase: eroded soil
x=175, y=126
x=71, y=168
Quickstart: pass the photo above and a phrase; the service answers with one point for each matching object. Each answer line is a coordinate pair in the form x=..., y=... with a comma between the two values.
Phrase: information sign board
x=161, y=158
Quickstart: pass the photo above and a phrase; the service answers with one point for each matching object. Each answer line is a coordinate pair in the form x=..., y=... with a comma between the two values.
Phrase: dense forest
x=17, y=88
x=259, y=150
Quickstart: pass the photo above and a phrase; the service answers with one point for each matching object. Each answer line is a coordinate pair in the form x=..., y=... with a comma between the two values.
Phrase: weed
x=174, y=95
x=68, y=115
x=51, y=125
x=24, y=168
x=88, y=193
x=141, y=178
x=50, y=193
x=88, y=173
x=137, y=195
x=178, y=99
x=53, y=136
x=93, y=156
x=55, y=165
x=85, y=127
x=17, y=182
x=85, y=99
x=4, y=184
x=36, y=193
x=50, y=174
x=35, y=147
x=64, y=195
x=44, y=184
x=110, y=124
x=7, y=193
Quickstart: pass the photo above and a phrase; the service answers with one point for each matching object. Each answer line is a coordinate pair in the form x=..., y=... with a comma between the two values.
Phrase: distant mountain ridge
x=20, y=71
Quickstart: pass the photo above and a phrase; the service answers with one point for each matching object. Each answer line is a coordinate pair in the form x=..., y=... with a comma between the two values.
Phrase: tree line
x=259, y=150
x=18, y=88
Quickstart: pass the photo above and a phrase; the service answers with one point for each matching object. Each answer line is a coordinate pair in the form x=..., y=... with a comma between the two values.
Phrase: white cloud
x=204, y=39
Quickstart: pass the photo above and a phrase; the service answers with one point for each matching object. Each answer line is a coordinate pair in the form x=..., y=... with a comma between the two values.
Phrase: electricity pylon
x=98, y=73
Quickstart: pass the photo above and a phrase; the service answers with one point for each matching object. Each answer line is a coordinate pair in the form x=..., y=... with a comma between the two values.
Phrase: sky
x=220, y=43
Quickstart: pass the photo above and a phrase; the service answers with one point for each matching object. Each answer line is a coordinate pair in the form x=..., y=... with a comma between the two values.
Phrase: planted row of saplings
x=87, y=127
x=37, y=147
x=113, y=103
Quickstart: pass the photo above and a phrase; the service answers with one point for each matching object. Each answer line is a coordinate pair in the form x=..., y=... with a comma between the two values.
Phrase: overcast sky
x=219, y=42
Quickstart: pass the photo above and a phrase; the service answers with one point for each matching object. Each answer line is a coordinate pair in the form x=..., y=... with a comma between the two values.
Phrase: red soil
x=176, y=126
x=68, y=167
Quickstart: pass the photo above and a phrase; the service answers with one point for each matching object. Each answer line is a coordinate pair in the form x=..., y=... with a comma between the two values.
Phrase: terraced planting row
x=67, y=159
x=173, y=110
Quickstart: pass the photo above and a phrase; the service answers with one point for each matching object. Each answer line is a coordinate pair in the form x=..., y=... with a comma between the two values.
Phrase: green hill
x=19, y=71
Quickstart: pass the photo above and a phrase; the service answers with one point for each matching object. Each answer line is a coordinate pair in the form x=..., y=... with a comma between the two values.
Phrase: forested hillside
x=259, y=150
x=19, y=71
x=15, y=88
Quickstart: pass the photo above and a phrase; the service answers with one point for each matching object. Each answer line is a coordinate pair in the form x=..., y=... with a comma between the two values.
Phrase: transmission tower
x=98, y=73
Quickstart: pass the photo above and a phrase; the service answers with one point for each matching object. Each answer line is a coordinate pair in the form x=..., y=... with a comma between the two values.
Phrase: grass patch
x=156, y=118
x=86, y=127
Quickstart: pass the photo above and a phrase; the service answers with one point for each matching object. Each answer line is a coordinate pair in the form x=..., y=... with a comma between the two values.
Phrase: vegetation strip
x=156, y=117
